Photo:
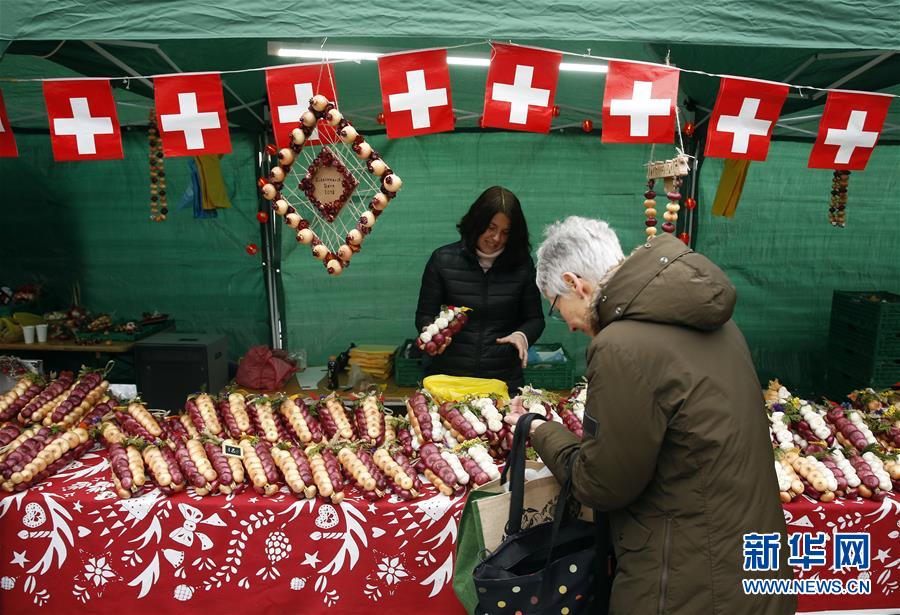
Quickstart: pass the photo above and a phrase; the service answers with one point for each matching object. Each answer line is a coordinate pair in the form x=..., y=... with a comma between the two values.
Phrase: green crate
x=839, y=385
x=878, y=343
x=847, y=367
x=877, y=311
x=554, y=376
x=408, y=369
x=863, y=363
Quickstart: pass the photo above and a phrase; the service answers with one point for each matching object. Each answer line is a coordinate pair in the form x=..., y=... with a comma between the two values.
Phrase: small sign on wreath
x=328, y=184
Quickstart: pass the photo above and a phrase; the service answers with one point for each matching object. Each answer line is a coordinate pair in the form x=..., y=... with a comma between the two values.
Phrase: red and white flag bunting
x=8, y=147
x=190, y=113
x=290, y=89
x=848, y=131
x=521, y=87
x=415, y=93
x=83, y=121
x=639, y=103
x=639, y=106
x=743, y=118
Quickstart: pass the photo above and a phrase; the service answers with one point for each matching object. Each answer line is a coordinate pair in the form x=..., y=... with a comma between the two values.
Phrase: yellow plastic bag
x=457, y=388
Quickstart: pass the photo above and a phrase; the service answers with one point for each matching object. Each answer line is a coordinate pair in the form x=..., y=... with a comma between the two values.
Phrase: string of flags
x=639, y=106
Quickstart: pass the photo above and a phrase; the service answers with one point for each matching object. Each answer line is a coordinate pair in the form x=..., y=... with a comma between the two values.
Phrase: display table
x=69, y=545
x=389, y=389
x=391, y=392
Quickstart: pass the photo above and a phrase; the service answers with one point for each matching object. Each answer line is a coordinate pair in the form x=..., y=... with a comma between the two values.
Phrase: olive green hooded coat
x=681, y=455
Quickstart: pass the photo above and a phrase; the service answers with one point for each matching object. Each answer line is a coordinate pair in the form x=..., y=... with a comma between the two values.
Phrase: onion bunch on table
x=27, y=388
x=332, y=415
x=46, y=451
x=47, y=400
x=303, y=425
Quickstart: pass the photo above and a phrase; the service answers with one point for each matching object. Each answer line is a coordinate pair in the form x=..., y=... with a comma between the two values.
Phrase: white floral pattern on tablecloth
x=73, y=544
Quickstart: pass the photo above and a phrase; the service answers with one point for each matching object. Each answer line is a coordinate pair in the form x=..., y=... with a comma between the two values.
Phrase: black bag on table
x=548, y=568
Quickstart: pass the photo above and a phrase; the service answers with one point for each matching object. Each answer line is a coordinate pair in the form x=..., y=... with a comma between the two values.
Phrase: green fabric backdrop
x=785, y=259
x=88, y=221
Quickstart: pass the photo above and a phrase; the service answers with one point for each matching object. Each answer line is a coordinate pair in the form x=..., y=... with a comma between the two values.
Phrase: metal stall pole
x=271, y=262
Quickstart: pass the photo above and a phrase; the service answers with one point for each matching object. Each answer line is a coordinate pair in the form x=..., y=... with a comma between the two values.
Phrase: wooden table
x=104, y=348
x=392, y=392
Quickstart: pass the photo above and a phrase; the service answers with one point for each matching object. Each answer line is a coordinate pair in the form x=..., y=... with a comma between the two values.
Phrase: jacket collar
x=641, y=267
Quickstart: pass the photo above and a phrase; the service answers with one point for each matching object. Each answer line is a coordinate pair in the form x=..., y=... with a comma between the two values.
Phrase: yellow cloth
x=731, y=185
x=457, y=388
x=212, y=185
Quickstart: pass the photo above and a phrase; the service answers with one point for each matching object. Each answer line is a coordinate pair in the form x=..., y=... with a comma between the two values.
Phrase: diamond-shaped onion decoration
x=335, y=261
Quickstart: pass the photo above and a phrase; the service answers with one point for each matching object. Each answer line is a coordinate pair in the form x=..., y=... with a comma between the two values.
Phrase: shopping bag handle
x=559, y=516
x=514, y=471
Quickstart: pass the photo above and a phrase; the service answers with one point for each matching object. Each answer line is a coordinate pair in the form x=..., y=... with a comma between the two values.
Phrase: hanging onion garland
x=673, y=193
x=650, y=208
x=159, y=209
x=837, y=210
x=671, y=172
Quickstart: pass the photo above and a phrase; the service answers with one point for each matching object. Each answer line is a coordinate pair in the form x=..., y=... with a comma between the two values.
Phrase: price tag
x=230, y=450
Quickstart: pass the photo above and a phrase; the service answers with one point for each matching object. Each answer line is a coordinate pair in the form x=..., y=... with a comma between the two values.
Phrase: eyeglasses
x=554, y=315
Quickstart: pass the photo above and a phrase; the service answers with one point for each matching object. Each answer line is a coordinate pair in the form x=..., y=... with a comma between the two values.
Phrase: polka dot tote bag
x=548, y=568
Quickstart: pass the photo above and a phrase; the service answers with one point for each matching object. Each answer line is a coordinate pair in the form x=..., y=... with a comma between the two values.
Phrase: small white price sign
x=232, y=450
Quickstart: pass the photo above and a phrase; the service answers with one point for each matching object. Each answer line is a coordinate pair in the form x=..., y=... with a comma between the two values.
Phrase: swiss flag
x=521, y=85
x=8, y=147
x=415, y=93
x=83, y=121
x=848, y=130
x=639, y=103
x=190, y=114
x=290, y=89
x=744, y=117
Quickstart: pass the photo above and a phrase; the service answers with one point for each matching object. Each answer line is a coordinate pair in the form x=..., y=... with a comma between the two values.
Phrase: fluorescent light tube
x=322, y=55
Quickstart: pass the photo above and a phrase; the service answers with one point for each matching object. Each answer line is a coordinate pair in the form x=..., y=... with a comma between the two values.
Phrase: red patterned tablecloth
x=70, y=545
x=882, y=521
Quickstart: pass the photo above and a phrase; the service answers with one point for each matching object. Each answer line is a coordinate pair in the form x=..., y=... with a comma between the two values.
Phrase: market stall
x=338, y=502
x=358, y=138
x=71, y=545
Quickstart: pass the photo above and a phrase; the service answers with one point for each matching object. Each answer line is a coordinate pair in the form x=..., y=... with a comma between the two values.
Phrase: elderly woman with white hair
x=676, y=448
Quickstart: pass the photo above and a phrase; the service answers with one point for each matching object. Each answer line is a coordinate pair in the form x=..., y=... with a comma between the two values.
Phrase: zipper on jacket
x=480, y=346
x=664, y=575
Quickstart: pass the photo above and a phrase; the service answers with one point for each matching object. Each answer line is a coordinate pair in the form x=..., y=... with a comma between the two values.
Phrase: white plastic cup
x=28, y=332
x=41, y=333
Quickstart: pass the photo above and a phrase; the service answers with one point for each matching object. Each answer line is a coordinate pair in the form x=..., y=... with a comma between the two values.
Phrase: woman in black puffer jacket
x=491, y=271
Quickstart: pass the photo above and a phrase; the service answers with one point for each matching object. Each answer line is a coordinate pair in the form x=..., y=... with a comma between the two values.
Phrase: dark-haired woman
x=491, y=271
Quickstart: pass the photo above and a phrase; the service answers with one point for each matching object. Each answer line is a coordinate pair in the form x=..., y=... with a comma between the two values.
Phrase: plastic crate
x=408, y=369
x=876, y=312
x=884, y=343
x=863, y=362
x=554, y=376
x=847, y=368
